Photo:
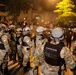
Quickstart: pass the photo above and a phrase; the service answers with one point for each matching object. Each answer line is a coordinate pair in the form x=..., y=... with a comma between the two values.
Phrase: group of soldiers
x=35, y=53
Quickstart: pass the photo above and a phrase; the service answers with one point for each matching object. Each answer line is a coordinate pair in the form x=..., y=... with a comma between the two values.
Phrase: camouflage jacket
x=53, y=70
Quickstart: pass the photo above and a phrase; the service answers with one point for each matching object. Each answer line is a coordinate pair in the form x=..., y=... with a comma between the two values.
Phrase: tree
x=65, y=11
x=14, y=7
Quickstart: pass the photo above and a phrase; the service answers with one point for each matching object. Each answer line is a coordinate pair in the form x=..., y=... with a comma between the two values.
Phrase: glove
x=74, y=70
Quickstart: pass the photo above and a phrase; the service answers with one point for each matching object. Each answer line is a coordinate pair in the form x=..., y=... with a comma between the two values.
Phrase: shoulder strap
x=34, y=38
x=59, y=72
x=35, y=41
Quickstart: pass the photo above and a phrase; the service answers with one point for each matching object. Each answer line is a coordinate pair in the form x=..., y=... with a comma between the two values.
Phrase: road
x=15, y=69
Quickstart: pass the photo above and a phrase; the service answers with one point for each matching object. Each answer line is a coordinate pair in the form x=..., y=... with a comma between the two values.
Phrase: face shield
x=26, y=30
x=40, y=30
x=57, y=33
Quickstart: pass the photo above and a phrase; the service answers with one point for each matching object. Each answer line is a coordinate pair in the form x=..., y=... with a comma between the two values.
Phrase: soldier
x=74, y=48
x=69, y=36
x=4, y=50
x=19, y=44
x=54, y=55
x=39, y=41
x=26, y=45
x=13, y=42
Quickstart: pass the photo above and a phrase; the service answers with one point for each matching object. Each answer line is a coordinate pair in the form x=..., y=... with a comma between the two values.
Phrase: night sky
x=6, y=1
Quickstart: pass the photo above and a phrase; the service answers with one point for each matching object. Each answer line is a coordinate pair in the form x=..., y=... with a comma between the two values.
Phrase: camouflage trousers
x=4, y=68
x=51, y=71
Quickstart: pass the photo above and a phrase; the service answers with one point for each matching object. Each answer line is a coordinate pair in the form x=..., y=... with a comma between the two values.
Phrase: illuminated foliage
x=65, y=10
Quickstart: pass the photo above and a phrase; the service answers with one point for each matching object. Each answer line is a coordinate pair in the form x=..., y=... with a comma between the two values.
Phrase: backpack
x=52, y=54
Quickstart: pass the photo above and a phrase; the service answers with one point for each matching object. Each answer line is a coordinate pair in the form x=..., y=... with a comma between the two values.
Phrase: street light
x=42, y=20
x=53, y=1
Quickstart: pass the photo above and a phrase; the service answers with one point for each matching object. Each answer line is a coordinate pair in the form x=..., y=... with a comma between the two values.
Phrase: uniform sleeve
x=27, y=40
x=6, y=44
x=68, y=57
x=39, y=56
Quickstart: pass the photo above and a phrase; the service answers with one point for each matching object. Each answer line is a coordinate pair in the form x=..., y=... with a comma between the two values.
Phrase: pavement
x=15, y=68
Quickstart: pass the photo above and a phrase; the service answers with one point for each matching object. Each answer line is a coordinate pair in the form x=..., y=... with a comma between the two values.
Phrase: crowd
x=36, y=53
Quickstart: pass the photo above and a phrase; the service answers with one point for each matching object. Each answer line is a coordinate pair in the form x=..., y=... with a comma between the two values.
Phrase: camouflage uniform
x=19, y=44
x=4, y=51
x=48, y=69
x=74, y=50
x=39, y=41
x=12, y=43
x=26, y=45
x=53, y=70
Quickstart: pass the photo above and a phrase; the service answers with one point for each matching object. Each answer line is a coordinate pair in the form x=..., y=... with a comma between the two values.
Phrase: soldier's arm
x=39, y=56
x=68, y=57
x=6, y=44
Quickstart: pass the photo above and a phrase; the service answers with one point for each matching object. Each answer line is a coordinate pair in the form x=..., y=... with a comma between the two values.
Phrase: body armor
x=52, y=54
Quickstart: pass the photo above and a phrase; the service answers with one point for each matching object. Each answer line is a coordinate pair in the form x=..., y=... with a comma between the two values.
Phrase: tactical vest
x=1, y=44
x=24, y=43
x=42, y=36
x=17, y=40
x=12, y=36
x=52, y=54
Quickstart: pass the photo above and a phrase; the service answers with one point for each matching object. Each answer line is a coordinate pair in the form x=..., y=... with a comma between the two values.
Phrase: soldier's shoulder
x=26, y=37
x=4, y=36
x=65, y=49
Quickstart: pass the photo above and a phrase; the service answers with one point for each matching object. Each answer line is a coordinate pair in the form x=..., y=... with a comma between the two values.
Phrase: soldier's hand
x=31, y=58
